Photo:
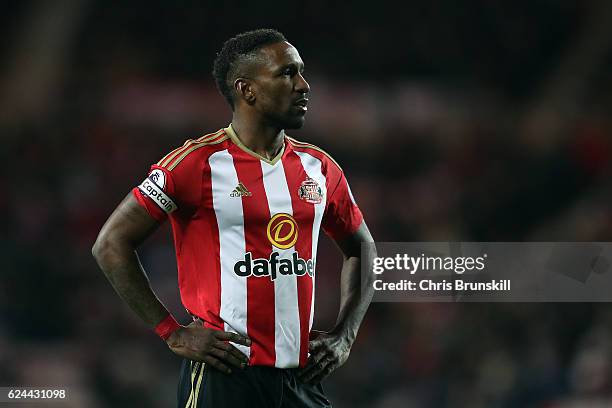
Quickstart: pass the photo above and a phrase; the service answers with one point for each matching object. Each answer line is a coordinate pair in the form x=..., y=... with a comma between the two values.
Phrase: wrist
x=345, y=333
x=166, y=327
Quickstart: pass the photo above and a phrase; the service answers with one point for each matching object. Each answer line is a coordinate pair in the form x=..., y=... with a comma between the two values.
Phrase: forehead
x=280, y=54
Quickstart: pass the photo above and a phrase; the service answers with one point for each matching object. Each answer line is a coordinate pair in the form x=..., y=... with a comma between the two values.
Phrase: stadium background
x=453, y=120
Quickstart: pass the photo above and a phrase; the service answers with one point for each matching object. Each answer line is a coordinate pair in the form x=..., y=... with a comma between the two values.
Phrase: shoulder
x=302, y=147
x=193, y=150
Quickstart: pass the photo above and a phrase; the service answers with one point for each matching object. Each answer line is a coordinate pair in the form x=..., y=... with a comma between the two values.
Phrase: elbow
x=103, y=248
x=98, y=248
x=110, y=248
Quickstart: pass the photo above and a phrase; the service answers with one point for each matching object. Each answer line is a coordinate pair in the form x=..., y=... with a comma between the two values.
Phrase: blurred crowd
x=487, y=121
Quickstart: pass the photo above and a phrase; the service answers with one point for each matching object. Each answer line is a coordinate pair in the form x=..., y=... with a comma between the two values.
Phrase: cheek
x=274, y=96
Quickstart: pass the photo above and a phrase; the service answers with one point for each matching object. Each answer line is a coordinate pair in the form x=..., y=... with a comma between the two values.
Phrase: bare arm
x=115, y=251
x=355, y=295
x=330, y=350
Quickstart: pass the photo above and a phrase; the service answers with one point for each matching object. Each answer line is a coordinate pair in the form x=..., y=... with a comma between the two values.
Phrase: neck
x=262, y=139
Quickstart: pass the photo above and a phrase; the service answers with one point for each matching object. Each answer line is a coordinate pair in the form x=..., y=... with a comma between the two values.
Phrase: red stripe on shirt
x=209, y=289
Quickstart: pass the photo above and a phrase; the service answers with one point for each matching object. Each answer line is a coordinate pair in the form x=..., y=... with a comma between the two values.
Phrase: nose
x=301, y=86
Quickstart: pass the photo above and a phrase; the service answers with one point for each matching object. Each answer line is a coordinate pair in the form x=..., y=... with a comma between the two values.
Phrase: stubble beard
x=287, y=121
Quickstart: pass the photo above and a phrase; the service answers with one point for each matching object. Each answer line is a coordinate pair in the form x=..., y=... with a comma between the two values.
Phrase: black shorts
x=203, y=386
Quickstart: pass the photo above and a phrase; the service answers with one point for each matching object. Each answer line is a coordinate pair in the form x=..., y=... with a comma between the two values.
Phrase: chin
x=287, y=121
x=294, y=123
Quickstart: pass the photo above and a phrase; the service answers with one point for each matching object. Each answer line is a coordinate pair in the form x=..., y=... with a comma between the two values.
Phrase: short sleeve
x=342, y=216
x=164, y=192
x=155, y=193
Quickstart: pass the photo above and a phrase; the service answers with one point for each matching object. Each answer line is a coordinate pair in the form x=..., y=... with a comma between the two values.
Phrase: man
x=246, y=204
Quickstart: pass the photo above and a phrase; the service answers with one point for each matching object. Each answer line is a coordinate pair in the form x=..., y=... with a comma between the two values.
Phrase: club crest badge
x=310, y=191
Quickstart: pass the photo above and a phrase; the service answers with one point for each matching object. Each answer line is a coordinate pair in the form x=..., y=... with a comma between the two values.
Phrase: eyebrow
x=300, y=67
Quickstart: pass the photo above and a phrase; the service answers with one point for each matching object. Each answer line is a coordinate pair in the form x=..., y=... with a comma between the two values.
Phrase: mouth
x=301, y=104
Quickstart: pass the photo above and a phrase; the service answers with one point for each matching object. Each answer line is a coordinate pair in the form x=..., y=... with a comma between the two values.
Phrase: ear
x=244, y=90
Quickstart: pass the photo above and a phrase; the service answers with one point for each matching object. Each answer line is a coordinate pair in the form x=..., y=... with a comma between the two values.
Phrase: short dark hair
x=235, y=52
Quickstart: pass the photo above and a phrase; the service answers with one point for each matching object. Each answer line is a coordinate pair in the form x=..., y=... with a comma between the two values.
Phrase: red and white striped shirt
x=245, y=233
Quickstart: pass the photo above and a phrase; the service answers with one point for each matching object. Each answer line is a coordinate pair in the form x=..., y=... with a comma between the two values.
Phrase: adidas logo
x=240, y=191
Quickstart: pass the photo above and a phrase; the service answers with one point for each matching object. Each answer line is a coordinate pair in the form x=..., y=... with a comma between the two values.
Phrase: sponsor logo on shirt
x=310, y=191
x=282, y=231
x=274, y=266
x=240, y=191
